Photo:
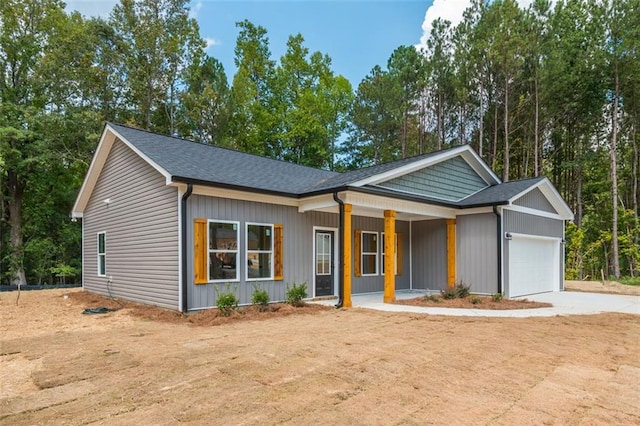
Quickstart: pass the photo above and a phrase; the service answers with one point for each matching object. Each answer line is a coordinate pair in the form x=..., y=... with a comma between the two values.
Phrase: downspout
x=183, y=243
x=499, y=244
x=341, y=248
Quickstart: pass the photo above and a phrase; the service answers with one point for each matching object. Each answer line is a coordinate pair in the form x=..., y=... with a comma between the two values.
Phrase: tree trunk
x=536, y=133
x=481, y=130
x=494, y=150
x=505, y=172
x=614, y=177
x=16, y=193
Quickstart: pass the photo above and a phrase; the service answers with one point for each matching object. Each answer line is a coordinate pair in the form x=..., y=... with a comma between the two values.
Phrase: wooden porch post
x=451, y=253
x=347, y=257
x=389, y=256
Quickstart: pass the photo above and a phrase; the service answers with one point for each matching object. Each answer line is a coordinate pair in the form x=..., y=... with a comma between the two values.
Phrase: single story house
x=165, y=221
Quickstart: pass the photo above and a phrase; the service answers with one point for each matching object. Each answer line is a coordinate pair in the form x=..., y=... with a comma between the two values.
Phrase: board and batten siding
x=298, y=246
x=524, y=223
x=451, y=180
x=375, y=283
x=535, y=199
x=141, y=225
x=429, y=254
x=477, y=252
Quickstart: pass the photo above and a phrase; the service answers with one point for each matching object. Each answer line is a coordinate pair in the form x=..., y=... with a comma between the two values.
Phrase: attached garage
x=534, y=265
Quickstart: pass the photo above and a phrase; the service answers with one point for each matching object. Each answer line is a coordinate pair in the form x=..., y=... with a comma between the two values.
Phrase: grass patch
x=635, y=281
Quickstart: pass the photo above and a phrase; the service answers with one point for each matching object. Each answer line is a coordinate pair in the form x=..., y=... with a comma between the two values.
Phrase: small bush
x=296, y=293
x=496, y=297
x=432, y=298
x=474, y=299
x=449, y=293
x=227, y=300
x=462, y=289
x=260, y=297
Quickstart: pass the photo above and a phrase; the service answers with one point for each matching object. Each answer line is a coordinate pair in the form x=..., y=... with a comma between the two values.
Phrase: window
x=102, y=254
x=369, y=253
x=223, y=251
x=259, y=251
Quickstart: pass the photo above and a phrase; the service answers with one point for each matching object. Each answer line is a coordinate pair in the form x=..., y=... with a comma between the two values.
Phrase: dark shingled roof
x=498, y=194
x=194, y=162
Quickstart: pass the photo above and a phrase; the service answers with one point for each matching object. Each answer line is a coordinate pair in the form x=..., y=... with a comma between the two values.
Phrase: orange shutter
x=399, y=254
x=200, y=251
x=278, y=252
x=358, y=253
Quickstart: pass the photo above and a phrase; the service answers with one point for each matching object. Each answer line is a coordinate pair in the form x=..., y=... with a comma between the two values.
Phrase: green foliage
x=474, y=299
x=462, y=289
x=260, y=297
x=62, y=272
x=449, y=293
x=227, y=301
x=296, y=294
x=497, y=297
x=432, y=298
x=630, y=281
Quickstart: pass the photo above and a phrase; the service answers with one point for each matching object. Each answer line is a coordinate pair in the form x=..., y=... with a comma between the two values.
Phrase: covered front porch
x=367, y=262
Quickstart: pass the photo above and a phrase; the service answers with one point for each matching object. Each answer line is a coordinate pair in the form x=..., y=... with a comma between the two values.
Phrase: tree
x=159, y=41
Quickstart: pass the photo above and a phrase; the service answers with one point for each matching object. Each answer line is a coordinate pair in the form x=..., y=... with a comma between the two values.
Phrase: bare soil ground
x=326, y=366
x=611, y=287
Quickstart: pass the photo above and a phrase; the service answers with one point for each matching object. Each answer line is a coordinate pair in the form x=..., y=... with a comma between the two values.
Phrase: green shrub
x=630, y=280
x=449, y=293
x=260, y=297
x=432, y=298
x=496, y=297
x=462, y=289
x=227, y=300
x=296, y=293
x=474, y=299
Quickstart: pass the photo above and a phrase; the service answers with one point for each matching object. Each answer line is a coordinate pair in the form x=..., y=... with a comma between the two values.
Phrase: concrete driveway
x=564, y=303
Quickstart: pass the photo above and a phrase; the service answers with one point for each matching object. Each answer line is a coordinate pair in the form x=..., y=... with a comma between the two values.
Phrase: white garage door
x=533, y=265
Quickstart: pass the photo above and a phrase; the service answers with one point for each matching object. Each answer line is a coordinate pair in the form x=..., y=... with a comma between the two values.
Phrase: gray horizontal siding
x=429, y=245
x=451, y=180
x=535, y=199
x=141, y=225
x=477, y=252
x=298, y=245
x=369, y=283
x=524, y=223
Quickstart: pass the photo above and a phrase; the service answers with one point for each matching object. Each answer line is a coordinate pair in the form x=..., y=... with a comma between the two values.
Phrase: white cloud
x=195, y=9
x=451, y=10
x=93, y=8
x=211, y=42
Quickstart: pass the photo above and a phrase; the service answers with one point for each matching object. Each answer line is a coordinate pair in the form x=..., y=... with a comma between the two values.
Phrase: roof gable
x=452, y=180
x=535, y=199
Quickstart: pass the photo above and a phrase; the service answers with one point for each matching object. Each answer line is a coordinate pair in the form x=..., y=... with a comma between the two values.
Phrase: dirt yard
x=326, y=367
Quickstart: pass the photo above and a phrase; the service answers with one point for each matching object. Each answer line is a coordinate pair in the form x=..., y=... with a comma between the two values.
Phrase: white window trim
x=382, y=254
x=209, y=251
x=104, y=273
x=363, y=253
x=247, y=251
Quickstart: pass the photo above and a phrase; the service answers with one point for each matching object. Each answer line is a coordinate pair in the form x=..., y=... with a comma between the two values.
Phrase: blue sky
x=356, y=34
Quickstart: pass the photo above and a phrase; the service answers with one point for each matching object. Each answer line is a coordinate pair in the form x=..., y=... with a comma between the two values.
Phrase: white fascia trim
x=319, y=202
x=534, y=237
x=108, y=138
x=549, y=191
x=467, y=153
x=533, y=212
x=476, y=210
x=243, y=195
x=380, y=203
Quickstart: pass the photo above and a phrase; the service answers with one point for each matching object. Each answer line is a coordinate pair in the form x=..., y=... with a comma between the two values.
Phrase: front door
x=324, y=263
